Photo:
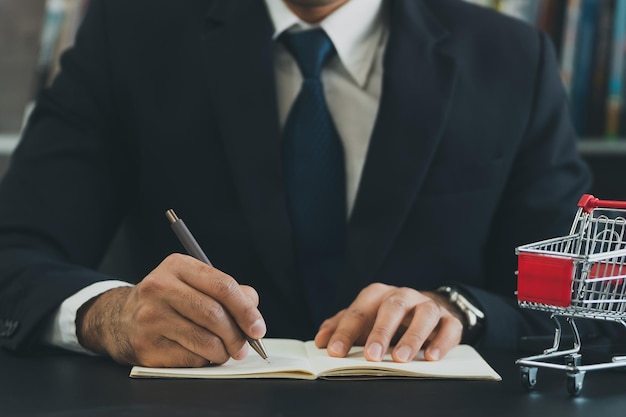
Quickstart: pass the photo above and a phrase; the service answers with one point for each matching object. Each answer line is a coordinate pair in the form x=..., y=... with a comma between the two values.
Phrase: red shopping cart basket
x=580, y=275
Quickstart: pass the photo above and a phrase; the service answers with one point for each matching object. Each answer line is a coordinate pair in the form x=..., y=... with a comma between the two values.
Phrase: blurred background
x=589, y=37
x=20, y=31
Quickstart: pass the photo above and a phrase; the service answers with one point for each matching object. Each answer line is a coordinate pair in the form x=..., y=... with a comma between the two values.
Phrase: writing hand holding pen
x=184, y=313
x=194, y=249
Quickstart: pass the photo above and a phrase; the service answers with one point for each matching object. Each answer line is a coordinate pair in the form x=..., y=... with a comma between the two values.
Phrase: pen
x=193, y=248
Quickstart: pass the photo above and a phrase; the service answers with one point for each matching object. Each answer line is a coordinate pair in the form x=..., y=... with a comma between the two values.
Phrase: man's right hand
x=183, y=314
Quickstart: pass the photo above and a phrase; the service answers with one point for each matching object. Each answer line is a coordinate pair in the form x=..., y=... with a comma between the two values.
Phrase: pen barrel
x=193, y=248
x=189, y=242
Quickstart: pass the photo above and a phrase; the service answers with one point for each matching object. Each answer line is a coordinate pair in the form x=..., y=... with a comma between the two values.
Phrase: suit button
x=8, y=327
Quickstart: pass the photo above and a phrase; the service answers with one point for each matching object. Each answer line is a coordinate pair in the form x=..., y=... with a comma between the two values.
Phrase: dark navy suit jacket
x=171, y=104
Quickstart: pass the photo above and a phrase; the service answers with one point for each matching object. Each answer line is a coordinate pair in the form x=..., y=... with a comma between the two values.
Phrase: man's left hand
x=384, y=315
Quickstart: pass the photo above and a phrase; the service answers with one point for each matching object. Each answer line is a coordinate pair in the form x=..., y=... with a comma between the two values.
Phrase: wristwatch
x=473, y=317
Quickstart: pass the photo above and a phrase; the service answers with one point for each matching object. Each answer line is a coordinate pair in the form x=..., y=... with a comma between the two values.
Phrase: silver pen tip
x=258, y=347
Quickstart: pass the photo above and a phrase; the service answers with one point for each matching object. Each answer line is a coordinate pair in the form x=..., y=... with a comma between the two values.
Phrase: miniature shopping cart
x=581, y=275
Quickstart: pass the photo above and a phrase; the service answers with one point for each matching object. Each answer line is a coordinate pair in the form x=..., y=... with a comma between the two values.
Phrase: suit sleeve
x=61, y=199
x=539, y=201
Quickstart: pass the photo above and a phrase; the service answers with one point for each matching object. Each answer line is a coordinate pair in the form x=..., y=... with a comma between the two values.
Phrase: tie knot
x=311, y=49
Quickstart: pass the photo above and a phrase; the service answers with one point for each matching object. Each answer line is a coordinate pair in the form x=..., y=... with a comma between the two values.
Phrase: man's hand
x=183, y=314
x=384, y=315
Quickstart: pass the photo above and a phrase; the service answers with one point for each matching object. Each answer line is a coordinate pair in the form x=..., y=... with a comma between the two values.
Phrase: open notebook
x=302, y=360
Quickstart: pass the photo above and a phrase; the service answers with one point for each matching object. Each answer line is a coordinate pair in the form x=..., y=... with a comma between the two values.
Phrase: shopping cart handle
x=588, y=202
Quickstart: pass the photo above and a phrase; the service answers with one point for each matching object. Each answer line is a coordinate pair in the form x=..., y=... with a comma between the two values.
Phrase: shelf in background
x=8, y=141
x=616, y=147
x=601, y=146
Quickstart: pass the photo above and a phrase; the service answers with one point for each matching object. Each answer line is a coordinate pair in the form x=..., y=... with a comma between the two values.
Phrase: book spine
x=545, y=15
x=581, y=80
x=622, y=119
x=551, y=20
x=568, y=48
x=601, y=68
x=617, y=89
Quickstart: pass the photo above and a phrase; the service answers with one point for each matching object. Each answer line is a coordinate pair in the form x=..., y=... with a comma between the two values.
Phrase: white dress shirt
x=352, y=80
x=352, y=84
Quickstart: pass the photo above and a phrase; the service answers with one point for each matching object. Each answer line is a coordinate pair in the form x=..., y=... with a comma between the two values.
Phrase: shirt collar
x=356, y=45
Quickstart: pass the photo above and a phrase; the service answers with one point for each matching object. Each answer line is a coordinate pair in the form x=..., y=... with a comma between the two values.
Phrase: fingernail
x=258, y=329
x=375, y=351
x=403, y=353
x=337, y=347
x=434, y=354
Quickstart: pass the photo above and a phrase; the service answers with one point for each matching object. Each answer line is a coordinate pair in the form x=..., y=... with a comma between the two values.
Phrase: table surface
x=73, y=385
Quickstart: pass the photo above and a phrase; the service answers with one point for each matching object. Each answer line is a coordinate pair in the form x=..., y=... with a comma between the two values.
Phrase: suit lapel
x=417, y=88
x=240, y=73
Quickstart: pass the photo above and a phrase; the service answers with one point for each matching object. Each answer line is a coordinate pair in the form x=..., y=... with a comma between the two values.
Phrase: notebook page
x=287, y=360
x=462, y=362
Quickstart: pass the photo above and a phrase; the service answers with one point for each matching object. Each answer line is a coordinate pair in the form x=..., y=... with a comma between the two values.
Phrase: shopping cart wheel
x=575, y=382
x=528, y=377
x=574, y=375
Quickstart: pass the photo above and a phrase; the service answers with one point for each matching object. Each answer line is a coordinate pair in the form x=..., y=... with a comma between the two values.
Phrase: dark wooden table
x=71, y=385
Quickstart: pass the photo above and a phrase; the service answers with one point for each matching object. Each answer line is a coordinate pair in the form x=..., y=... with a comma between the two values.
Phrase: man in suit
x=457, y=147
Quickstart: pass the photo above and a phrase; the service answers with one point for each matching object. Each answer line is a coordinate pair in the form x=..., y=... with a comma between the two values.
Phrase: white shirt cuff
x=61, y=331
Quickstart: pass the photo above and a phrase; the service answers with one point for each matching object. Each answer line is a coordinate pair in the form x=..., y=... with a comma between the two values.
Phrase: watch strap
x=473, y=317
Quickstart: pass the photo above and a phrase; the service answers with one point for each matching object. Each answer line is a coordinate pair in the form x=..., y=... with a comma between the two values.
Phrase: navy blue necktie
x=315, y=175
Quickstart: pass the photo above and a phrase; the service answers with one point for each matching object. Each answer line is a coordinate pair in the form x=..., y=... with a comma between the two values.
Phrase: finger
x=392, y=312
x=195, y=307
x=209, y=315
x=223, y=288
x=326, y=330
x=251, y=293
x=447, y=336
x=356, y=320
x=426, y=318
